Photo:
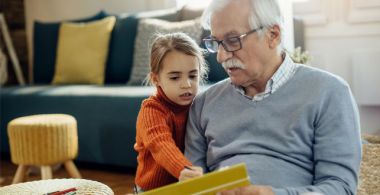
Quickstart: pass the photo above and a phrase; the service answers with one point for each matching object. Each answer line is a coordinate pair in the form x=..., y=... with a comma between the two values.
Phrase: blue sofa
x=106, y=114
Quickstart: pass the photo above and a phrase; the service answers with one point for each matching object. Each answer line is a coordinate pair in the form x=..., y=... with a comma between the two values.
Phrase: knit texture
x=160, y=141
x=44, y=139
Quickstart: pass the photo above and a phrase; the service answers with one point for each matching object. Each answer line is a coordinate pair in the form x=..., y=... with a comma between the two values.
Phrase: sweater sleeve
x=337, y=147
x=195, y=140
x=158, y=139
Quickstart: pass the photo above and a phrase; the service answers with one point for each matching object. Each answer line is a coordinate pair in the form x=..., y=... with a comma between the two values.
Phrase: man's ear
x=154, y=78
x=274, y=36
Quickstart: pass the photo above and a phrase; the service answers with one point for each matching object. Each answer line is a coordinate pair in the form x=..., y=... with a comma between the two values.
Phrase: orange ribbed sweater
x=160, y=132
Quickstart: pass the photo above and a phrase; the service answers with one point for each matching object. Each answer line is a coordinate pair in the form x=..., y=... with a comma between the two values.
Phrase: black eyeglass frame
x=239, y=38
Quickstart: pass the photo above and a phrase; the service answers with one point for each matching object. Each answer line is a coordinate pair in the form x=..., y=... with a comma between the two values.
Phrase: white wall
x=287, y=12
x=343, y=36
x=58, y=10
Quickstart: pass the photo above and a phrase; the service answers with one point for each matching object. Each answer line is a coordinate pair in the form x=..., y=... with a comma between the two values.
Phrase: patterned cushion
x=145, y=34
x=122, y=43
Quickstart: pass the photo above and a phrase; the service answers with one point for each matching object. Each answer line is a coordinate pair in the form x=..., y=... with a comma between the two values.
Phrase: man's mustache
x=233, y=63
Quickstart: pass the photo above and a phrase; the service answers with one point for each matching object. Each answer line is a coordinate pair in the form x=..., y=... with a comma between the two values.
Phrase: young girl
x=176, y=68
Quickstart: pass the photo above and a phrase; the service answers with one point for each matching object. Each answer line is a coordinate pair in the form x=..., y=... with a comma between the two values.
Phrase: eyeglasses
x=230, y=44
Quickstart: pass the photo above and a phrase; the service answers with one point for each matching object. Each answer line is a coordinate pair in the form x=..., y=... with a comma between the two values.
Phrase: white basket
x=40, y=187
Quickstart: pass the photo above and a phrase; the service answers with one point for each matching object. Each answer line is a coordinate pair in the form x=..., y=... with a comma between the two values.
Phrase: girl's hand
x=190, y=172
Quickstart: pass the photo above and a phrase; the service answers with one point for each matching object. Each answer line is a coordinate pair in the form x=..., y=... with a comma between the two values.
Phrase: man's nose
x=222, y=54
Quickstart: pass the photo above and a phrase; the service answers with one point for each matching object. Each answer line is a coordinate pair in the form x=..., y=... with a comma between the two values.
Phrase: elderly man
x=296, y=127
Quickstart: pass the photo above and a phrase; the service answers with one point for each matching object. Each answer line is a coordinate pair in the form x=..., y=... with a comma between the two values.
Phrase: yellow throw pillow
x=82, y=52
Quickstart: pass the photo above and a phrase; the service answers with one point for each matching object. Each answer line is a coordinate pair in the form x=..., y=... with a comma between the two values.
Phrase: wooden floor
x=119, y=180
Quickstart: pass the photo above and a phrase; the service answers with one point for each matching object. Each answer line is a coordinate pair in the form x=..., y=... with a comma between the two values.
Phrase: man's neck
x=259, y=86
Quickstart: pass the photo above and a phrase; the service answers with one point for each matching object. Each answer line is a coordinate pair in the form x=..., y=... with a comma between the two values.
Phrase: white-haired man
x=296, y=127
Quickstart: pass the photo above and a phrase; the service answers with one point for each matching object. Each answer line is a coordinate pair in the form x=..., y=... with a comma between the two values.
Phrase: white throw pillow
x=145, y=34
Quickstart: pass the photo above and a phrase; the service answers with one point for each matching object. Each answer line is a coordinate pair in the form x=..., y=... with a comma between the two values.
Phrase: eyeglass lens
x=230, y=44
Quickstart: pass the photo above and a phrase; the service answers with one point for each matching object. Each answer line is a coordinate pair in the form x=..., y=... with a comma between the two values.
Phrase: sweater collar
x=170, y=104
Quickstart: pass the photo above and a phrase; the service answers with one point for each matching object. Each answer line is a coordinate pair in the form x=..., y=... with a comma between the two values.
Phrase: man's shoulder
x=213, y=95
x=213, y=91
x=319, y=77
x=216, y=87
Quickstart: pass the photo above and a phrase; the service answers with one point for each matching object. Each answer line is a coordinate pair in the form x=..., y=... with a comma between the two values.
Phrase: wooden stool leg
x=72, y=169
x=20, y=173
x=46, y=172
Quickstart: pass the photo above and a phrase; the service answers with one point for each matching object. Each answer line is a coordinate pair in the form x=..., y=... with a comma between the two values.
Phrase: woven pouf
x=82, y=186
x=43, y=140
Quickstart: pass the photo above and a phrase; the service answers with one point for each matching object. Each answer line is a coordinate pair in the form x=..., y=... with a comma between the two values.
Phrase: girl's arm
x=158, y=139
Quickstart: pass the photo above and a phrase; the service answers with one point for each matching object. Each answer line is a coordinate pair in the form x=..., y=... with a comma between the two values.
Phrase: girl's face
x=178, y=77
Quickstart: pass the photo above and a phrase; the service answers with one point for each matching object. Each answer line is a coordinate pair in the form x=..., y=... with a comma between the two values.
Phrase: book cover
x=210, y=183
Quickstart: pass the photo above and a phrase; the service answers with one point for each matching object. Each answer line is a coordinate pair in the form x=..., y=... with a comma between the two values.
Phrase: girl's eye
x=173, y=78
x=193, y=76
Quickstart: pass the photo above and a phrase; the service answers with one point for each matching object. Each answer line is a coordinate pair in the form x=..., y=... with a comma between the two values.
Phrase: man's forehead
x=231, y=19
x=222, y=34
x=225, y=29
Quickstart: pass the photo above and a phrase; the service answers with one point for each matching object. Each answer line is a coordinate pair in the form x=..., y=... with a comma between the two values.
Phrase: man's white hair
x=265, y=13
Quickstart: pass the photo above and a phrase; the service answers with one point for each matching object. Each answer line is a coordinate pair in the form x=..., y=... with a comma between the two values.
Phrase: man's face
x=247, y=65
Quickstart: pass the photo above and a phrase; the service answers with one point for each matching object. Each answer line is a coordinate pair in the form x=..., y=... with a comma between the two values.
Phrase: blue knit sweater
x=304, y=137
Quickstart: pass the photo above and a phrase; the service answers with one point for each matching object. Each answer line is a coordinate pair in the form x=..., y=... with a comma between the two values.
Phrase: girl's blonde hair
x=165, y=43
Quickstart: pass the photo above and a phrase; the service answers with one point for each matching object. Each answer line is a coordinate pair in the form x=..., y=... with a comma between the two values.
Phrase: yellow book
x=210, y=183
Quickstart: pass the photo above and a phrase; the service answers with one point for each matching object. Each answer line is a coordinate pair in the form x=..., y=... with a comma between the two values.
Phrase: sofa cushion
x=45, y=40
x=120, y=57
x=191, y=11
x=82, y=52
x=145, y=35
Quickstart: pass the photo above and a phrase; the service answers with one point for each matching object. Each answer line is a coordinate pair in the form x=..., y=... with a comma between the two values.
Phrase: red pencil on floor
x=64, y=191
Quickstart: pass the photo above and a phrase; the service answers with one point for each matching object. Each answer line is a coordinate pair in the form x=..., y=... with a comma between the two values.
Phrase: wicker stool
x=43, y=140
x=82, y=186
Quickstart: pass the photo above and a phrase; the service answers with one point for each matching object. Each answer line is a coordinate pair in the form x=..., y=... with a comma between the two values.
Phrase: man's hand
x=249, y=190
x=190, y=172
